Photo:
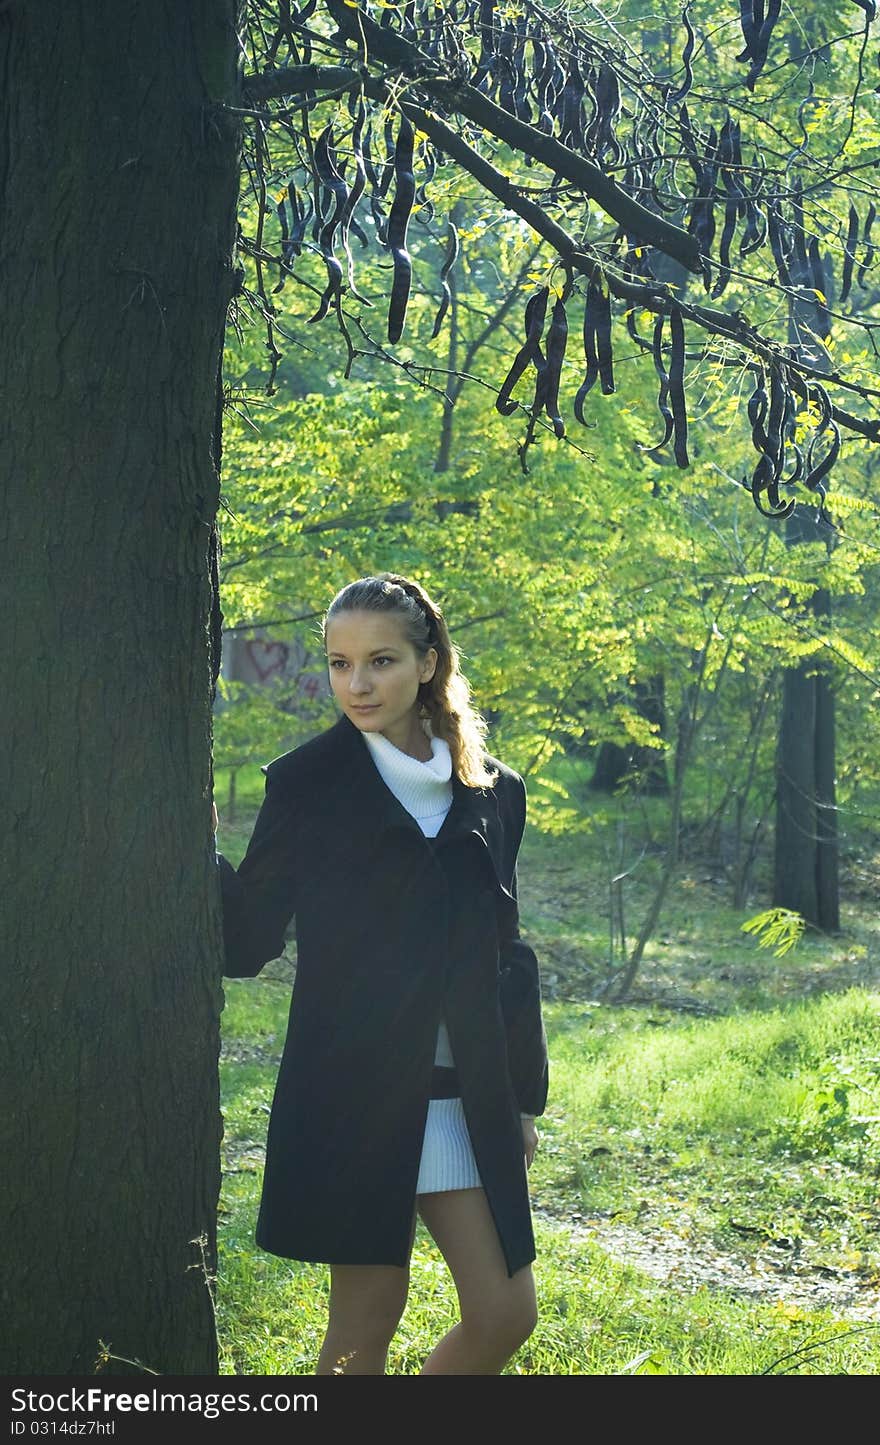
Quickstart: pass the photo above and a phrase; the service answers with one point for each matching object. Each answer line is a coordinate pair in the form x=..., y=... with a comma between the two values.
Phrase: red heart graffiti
x=274, y=655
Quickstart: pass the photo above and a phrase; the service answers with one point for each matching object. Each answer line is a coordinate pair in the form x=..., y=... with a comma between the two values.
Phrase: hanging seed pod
x=820, y=285
x=770, y=443
x=603, y=342
x=398, y=221
x=590, y=354
x=300, y=218
x=337, y=194
x=286, y=251
x=663, y=397
x=849, y=253
x=570, y=108
x=755, y=230
x=866, y=241
x=536, y=310
x=428, y=167
x=799, y=265
x=735, y=206
x=346, y=221
x=521, y=108
x=606, y=91
x=686, y=58
x=757, y=407
x=814, y=478
x=388, y=168
x=541, y=73
x=778, y=240
x=481, y=76
x=504, y=69
x=451, y=258
x=676, y=387
x=557, y=339
x=632, y=328
x=757, y=30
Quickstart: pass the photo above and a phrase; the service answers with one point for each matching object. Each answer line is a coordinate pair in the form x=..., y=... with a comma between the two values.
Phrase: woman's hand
x=530, y=1140
x=214, y=818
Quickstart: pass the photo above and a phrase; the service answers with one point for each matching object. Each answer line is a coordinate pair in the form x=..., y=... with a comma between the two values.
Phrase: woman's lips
x=366, y=707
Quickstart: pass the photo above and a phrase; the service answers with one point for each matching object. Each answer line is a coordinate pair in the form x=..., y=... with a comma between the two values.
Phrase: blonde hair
x=446, y=698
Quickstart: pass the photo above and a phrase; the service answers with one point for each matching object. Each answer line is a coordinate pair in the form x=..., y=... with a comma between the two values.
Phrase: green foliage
x=825, y=1123
x=776, y=928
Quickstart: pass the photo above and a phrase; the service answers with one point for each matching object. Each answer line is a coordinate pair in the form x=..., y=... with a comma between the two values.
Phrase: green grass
x=727, y=1118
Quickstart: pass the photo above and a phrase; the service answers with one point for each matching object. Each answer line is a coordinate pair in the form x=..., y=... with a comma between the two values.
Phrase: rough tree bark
x=806, y=866
x=118, y=191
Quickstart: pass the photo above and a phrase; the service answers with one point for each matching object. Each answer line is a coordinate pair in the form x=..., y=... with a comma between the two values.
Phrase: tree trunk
x=118, y=184
x=795, y=857
x=806, y=859
x=615, y=762
x=806, y=869
x=827, y=853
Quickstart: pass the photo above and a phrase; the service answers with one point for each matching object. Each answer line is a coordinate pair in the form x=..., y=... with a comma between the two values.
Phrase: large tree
x=119, y=179
x=670, y=192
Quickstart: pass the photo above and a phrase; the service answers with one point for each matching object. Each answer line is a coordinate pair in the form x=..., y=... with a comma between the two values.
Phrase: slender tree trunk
x=806, y=864
x=827, y=852
x=795, y=858
x=806, y=858
x=118, y=189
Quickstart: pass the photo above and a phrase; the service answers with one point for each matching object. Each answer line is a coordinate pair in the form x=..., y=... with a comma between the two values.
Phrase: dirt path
x=686, y=1265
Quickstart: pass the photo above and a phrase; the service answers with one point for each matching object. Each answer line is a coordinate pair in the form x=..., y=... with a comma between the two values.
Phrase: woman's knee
x=367, y=1305
x=506, y=1320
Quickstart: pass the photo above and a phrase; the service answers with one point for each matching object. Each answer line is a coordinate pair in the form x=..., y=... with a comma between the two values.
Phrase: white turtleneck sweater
x=425, y=790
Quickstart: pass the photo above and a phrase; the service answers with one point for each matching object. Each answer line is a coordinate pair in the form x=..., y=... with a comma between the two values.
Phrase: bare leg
x=498, y=1312
x=366, y=1303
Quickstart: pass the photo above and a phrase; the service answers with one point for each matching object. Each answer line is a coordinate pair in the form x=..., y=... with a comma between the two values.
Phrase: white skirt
x=447, y=1154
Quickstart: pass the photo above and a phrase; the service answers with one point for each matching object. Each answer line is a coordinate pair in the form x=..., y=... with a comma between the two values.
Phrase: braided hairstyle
x=445, y=699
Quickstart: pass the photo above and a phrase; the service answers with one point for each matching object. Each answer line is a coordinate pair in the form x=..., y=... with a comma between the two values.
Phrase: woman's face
x=375, y=672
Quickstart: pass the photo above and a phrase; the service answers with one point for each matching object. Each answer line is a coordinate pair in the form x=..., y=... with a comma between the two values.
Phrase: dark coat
x=393, y=931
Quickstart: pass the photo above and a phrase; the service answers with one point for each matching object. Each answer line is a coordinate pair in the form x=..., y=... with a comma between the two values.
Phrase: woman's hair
x=445, y=699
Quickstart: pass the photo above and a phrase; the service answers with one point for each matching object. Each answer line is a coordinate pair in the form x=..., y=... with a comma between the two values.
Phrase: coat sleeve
x=259, y=897
x=520, y=990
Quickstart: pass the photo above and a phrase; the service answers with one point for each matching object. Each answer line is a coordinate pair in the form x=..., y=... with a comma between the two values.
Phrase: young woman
x=415, y=1061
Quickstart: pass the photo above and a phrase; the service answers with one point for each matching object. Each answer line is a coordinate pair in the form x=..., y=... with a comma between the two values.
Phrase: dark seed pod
x=663, y=397
x=557, y=338
x=817, y=272
x=590, y=354
x=778, y=240
x=451, y=258
x=346, y=221
x=686, y=57
x=757, y=30
x=398, y=221
x=536, y=310
x=336, y=191
x=866, y=241
x=850, y=253
x=676, y=387
x=603, y=342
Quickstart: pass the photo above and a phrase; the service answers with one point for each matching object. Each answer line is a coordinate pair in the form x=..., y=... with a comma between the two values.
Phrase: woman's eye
x=384, y=659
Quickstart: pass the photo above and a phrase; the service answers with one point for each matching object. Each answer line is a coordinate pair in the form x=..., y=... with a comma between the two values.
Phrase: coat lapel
x=371, y=809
